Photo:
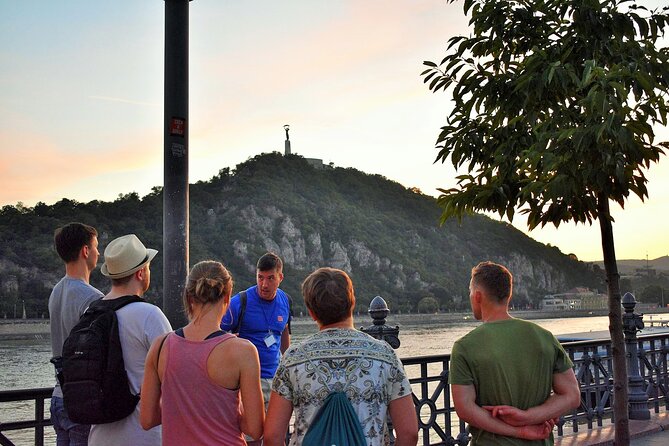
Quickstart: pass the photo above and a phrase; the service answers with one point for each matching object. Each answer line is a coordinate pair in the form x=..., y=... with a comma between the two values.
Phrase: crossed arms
x=535, y=423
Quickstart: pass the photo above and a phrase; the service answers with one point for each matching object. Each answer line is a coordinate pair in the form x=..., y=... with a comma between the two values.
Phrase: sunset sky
x=82, y=94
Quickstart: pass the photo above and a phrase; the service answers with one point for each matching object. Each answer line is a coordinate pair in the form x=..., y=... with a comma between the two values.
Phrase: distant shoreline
x=21, y=329
x=25, y=329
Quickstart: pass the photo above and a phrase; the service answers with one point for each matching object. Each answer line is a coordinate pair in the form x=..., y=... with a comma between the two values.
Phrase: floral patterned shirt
x=348, y=360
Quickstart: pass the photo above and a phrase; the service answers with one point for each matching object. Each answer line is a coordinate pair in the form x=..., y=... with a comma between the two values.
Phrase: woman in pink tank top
x=201, y=384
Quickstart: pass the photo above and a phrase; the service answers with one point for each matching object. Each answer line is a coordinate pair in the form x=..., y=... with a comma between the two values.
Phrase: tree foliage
x=554, y=103
x=554, y=107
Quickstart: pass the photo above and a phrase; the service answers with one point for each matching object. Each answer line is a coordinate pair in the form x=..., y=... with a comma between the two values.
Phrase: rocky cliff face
x=387, y=237
x=304, y=250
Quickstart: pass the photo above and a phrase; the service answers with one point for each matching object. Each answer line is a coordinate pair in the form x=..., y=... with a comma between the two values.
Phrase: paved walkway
x=654, y=432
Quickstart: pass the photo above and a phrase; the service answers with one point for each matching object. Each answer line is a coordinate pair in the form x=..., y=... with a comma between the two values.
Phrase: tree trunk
x=620, y=397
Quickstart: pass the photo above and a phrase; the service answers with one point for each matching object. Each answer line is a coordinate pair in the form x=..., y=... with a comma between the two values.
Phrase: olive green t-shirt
x=509, y=362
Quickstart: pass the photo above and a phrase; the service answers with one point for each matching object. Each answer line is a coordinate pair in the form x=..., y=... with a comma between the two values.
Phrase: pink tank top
x=196, y=411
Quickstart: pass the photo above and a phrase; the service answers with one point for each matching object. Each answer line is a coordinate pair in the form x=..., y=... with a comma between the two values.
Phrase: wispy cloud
x=124, y=101
x=42, y=170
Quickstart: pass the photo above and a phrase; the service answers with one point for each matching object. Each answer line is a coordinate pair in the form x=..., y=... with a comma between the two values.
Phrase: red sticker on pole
x=177, y=127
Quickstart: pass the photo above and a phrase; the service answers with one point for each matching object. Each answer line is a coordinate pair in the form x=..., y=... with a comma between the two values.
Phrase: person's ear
x=85, y=251
x=478, y=296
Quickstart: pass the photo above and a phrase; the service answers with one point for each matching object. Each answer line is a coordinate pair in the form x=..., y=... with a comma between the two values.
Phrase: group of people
x=231, y=376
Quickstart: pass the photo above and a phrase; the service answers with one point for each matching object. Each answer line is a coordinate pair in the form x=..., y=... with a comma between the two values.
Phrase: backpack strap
x=290, y=312
x=160, y=349
x=242, y=309
x=118, y=303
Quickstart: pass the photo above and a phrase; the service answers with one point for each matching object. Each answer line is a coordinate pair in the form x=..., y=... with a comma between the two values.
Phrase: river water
x=25, y=364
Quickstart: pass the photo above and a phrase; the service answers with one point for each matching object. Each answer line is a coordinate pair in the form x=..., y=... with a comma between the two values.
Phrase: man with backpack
x=341, y=382
x=77, y=246
x=139, y=323
x=262, y=315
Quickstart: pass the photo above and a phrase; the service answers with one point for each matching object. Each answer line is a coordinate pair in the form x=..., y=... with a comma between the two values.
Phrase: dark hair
x=69, y=240
x=495, y=279
x=269, y=261
x=328, y=293
x=208, y=282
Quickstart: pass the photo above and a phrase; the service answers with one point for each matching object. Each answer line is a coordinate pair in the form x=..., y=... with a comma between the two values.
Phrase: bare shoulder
x=237, y=347
x=157, y=342
x=236, y=351
x=242, y=346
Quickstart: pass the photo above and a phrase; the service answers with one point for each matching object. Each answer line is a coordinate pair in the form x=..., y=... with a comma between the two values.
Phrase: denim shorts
x=68, y=433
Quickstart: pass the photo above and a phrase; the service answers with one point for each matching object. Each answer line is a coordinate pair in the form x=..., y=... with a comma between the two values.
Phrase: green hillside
x=386, y=236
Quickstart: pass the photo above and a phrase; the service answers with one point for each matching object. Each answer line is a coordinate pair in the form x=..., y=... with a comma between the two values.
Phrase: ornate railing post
x=378, y=310
x=632, y=323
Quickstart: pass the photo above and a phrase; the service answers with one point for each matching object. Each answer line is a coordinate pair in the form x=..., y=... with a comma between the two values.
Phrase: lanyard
x=264, y=313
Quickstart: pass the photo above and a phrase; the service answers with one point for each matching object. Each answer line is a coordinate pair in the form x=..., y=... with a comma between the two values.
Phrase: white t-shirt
x=139, y=324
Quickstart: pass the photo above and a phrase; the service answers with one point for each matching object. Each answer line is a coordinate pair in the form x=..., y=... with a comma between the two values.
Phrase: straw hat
x=124, y=256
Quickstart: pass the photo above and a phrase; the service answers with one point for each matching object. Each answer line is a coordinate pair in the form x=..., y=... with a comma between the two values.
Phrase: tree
x=428, y=304
x=653, y=294
x=554, y=103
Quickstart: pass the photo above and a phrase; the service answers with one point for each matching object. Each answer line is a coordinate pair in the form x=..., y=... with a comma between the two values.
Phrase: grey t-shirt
x=68, y=301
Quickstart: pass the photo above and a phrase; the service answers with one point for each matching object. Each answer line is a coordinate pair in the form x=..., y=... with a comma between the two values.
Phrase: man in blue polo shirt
x=265, y=319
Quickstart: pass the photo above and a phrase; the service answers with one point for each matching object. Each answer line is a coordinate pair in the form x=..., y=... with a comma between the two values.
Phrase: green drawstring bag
x=335, y=424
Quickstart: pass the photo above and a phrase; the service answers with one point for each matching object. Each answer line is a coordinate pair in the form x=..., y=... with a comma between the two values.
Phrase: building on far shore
x=575, y=299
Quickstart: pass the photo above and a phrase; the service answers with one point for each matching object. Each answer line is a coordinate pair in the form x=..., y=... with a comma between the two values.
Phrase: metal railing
x=38, y=396
x=648, y=358
x=437, y=420
x=438, y=423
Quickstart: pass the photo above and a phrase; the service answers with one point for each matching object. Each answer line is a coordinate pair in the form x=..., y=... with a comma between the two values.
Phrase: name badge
x=270, y=340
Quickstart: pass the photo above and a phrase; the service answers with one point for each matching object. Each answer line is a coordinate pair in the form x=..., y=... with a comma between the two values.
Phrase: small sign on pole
x=177, y=127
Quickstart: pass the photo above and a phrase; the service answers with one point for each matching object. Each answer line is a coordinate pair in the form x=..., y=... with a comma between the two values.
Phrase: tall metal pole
x=175, y=190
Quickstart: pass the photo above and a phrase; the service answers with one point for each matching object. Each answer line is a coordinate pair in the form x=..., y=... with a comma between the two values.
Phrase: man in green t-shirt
x=510, y=379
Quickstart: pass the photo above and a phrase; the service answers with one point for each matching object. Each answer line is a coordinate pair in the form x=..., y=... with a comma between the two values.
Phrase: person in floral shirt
x=339, y=358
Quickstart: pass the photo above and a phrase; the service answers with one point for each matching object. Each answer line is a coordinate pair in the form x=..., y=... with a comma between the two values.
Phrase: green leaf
x=587, y=71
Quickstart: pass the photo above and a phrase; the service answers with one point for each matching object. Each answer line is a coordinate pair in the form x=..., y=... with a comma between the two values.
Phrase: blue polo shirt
x=263, y=321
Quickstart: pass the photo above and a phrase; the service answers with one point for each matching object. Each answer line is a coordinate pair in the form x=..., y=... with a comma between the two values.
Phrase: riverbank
x=22, y=329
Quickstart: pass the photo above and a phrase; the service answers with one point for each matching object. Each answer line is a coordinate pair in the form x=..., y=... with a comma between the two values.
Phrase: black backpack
x=94, y=381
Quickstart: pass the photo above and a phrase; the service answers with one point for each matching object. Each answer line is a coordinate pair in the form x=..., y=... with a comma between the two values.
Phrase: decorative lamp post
x=378, y=310
x=632, y=323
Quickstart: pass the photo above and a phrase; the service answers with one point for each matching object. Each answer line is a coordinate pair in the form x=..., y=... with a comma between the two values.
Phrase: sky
x=82, y=100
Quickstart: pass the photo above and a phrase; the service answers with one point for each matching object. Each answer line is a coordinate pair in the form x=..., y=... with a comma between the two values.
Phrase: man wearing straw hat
x=127, y=263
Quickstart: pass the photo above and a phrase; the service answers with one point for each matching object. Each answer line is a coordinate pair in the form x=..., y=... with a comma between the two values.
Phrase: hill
x=632, y=266
x=385, y=235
